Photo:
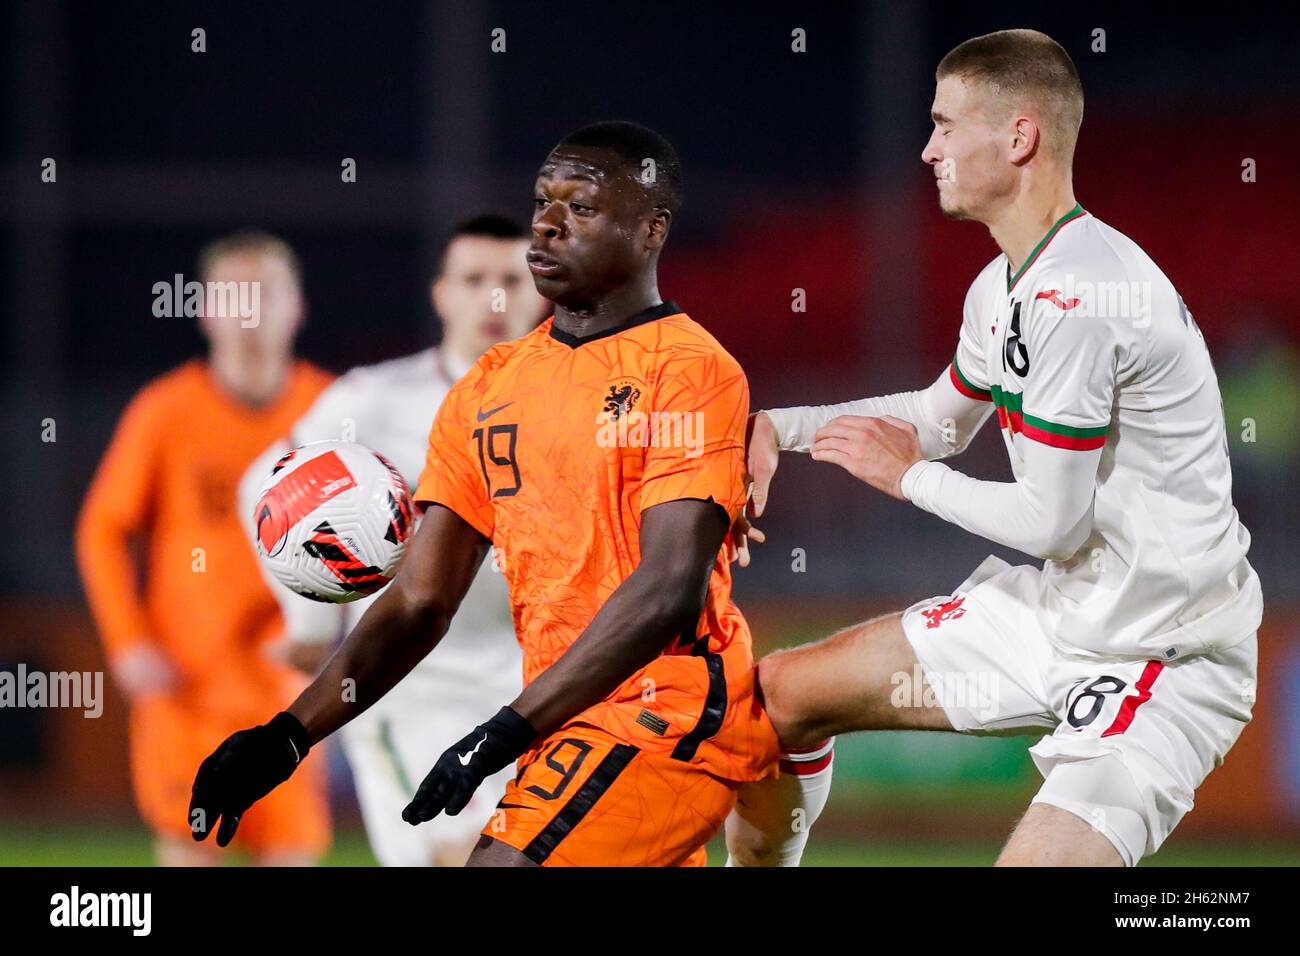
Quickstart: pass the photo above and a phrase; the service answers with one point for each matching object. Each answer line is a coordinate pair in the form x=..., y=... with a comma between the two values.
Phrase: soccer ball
x=332, y=520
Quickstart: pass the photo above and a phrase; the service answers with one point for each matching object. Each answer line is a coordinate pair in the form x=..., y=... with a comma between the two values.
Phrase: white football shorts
x=1127, y=741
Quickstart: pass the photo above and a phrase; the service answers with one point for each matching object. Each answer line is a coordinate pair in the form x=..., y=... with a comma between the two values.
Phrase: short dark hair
x=634, y=144
x=489, y=225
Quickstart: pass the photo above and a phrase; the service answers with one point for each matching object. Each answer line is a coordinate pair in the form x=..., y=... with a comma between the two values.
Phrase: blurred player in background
x=1133, y=648
x=484, y=294
x=189, y=649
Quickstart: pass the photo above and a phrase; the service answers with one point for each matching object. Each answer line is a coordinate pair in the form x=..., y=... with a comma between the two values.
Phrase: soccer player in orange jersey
x=603, y=456
x=190, y=649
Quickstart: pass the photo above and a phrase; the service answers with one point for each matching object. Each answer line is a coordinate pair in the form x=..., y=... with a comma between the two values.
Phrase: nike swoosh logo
x=465, y=758
x=484, y=416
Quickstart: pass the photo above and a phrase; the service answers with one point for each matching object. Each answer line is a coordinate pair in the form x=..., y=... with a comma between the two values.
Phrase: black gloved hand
x=246, y=767
x=465, y=765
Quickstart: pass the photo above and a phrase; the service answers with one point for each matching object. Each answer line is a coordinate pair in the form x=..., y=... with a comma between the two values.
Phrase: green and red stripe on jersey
x=1013, y=418
x=965, y=386
x=1077, y=212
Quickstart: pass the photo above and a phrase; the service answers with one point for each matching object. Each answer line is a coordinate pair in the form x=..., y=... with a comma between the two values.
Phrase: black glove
x=244, y=769
x=465, y=765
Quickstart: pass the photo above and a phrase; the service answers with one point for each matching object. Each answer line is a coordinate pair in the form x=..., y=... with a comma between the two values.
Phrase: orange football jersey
x=552, y=446
x=170, y=478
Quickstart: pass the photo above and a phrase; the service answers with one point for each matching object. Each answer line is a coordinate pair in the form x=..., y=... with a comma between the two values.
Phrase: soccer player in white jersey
x=484, y=294
x=1133, y=648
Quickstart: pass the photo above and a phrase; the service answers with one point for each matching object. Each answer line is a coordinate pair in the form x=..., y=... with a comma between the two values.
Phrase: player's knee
x=751, y=849
x=754, y=837
x=784, y=702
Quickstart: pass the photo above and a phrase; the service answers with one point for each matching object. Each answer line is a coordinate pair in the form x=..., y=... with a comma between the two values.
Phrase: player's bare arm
x=680, y=541
x=666, y=593
x=405, y=623
x=395, y=634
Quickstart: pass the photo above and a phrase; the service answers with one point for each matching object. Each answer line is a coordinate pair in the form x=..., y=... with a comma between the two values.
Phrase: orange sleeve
x=701, y=407
x=451, y=477
x=117, y=509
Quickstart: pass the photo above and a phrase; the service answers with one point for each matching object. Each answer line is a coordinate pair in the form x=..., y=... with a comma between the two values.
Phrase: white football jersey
x=389, y=407
x=1089, y=346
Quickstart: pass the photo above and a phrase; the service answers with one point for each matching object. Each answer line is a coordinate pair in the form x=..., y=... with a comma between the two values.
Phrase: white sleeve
x=305, y=621
x=945, y=418
x=1046, y=513
x=1063, y=414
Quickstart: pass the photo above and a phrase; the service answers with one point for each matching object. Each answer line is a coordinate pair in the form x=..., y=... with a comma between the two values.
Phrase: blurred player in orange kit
x=193, y=649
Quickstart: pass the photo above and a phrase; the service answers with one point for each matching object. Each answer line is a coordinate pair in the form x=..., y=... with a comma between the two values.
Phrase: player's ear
x=435, y=296
x=657, y=227
x=1024, y=140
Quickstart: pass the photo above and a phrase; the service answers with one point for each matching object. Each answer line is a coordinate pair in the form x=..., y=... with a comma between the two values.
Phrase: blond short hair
x=1025, y=63
x=249, y=241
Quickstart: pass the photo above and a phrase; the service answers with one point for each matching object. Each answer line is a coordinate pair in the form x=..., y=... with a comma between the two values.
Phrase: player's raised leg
x=846, y=682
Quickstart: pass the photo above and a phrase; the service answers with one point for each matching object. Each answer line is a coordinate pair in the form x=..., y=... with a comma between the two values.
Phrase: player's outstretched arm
x=945, y=417
x=1062, y=416
x=679, y=542
x=397, y=631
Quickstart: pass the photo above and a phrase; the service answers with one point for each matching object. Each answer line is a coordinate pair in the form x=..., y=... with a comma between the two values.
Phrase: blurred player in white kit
x=484, y=294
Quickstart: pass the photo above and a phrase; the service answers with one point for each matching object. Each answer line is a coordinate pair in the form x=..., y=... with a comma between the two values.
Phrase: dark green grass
x=121, y=846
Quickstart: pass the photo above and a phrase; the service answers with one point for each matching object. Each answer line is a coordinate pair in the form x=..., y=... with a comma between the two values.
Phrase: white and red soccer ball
x=332, y=521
